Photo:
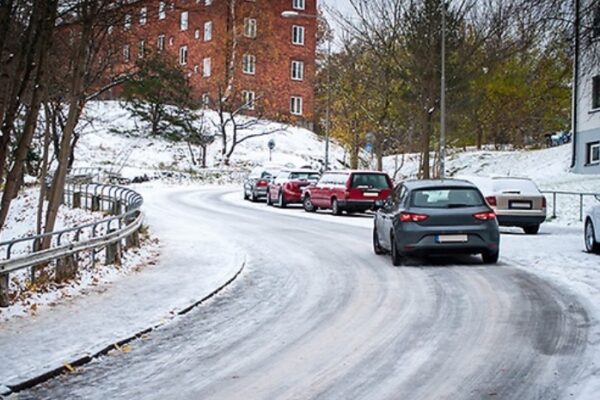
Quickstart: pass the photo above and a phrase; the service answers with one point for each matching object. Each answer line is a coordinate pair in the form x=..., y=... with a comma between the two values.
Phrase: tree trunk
x=48, y=12
x=44, y=171
x=426, y=145
x=204, y=147
x=191, y=153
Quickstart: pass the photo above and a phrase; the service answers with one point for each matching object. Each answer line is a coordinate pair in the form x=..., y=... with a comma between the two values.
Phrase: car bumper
x=520, y=220
x=358, y=205
x=424, y=240
x=260, y=191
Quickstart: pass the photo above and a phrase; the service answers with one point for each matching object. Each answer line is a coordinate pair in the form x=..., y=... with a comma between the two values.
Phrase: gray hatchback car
x=436, y=217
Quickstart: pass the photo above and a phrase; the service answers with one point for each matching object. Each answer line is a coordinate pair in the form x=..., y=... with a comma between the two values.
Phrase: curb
x=6, y=390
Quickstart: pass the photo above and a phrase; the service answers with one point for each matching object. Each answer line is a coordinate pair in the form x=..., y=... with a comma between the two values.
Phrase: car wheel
x=281, y=200
x=590, y=239
x=376, y=245
x=490, y=257
x=395, y=253
x=308, y=205
x=335, y=207
x=269, y=201
x=532, y=229
x=245, y=195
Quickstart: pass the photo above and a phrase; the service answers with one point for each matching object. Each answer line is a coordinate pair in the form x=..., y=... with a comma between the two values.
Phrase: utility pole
x=442, y=171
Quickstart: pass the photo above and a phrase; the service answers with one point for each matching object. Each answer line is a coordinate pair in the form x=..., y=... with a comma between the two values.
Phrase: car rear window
x=305, y=176
x=447, y=198
x=516, y=186
x=370, y=181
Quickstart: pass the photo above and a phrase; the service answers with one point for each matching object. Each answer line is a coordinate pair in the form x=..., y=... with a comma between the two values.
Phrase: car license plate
x=521, y=205
x=370, y=194
x=452, y=238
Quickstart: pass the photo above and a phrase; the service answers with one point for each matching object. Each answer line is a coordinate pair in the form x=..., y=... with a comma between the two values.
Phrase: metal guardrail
x=580, y=196
x=123, y=203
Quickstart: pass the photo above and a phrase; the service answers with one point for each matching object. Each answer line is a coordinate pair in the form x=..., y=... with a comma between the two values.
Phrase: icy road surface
x=317, y=315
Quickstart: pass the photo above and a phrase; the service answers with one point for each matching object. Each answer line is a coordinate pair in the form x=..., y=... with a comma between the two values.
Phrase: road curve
x=317, y=315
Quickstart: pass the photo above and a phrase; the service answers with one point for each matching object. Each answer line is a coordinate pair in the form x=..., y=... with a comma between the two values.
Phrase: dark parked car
x=255, y=185
x=350, y=191
x=434, y=216
x=287, y=187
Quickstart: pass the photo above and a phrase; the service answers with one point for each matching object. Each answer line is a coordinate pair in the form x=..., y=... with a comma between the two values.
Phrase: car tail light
x=485, y=216
x=491, y=201
x=544, y=202
x=262, y=183
x=411, y=217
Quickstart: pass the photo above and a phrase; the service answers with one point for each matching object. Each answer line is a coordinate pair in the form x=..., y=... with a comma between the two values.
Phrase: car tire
x=490, y=257
x=532, y=229
x=376, y=245
x=253, y=197
x=269, y=201
x=397, y=257
x=591, y=245
x=245, y=195
x=308, y=205
x=335, y=207
x=281, y=201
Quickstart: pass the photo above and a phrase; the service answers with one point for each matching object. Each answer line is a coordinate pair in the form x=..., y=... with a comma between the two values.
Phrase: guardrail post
x=95, y=203
x=66, y=268
x=133, y=240
x=554, y=205
x=76, y=199
x=4, y=300
x=113, y=252
x=116, y=208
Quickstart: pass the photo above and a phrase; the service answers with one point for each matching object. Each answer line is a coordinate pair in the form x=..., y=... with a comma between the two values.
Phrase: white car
x=592, y=228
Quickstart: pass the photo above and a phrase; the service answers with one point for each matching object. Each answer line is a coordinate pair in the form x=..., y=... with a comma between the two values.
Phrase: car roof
x=301, y=170
x=438, y=183
x=355, y=171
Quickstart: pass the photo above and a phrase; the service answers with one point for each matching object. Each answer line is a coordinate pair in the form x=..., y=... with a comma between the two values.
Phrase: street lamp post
x=296, y=14
x=442, y=172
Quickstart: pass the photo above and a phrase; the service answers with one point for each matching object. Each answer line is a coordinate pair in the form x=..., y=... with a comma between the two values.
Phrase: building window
x=127, y=25
x=298, y=35
x=249, y=99
x=208, y=31
x=297, y=70
x=142, y=49
x=183, y=20
x=206, y=64
x=593, y=153
x=126, y=53
x=249, y=64
x=196, y=69
x=205, y=100
x=197, y=34
x=183, y=55
x=296, y=105
x=162, y=10
x=596, y=92
x=160, y=43
x=208, y=2
x=250, y=27
x=298, y=4
x=143, y=15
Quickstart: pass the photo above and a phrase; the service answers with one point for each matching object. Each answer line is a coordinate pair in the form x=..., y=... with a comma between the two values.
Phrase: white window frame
x=208, y=28
x=249, y=64
x=250, y=27
x=206, y=67
x=127, y=22
x=298, y=33
x=160, y=42
x=162, y=10
x=296, y=105
x=208, y=2
x=591, y=148
x=142, y=49
x=297, y=72
x=298, y=4
x=249, y=98
x=183, y=55
x=197, y=34
x=126, y=53
x=143, y=15
x=184, y=20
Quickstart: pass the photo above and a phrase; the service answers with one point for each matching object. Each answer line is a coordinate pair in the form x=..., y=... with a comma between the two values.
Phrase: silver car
x=435, y=216
x=592, y=228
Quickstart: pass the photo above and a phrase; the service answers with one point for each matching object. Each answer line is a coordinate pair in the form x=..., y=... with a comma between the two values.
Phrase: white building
x=586, y=90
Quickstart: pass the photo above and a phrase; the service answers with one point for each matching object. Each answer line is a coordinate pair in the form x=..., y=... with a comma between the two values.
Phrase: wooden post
x=113, y=252
x=4, y=300
x=133, y=240
x=116, y=208
x=66, y=268
x=76, y=199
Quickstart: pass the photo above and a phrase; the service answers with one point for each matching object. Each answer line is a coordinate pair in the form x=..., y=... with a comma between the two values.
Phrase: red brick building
x=241, y=49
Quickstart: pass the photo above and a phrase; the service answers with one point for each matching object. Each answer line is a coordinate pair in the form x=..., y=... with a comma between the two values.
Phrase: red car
x=287, y=187
x=350, y=191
